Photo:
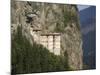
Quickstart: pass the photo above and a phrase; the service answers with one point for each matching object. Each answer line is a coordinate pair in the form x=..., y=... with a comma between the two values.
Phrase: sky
x=81, y=7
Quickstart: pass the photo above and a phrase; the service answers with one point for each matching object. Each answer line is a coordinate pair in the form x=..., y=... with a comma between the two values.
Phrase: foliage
x=27, y=58
x=86, y=67
x=68, y=18
x=59, y=28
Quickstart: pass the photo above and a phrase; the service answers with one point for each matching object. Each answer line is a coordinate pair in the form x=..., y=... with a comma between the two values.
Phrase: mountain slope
x=88, y=29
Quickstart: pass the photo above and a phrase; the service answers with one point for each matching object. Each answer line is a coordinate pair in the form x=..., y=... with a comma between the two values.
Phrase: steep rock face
x=51, y=18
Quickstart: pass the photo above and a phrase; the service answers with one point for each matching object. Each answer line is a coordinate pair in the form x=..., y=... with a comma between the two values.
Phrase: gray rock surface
x=62, y=18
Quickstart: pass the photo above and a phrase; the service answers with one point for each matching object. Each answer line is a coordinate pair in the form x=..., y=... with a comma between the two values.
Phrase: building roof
x=48, y=34
x=36, y=29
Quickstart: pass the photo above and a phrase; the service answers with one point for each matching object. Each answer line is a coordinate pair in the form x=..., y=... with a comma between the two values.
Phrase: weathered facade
x=50, y=40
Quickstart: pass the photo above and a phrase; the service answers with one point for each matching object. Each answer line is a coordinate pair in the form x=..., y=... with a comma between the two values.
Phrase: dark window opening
x=29, y=20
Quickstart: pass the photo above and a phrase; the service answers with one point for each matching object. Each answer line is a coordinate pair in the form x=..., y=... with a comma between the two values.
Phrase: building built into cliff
x=49, y=40
x=51, y=17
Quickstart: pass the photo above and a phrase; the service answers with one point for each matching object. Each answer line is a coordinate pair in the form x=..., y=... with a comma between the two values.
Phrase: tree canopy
x=27, y=58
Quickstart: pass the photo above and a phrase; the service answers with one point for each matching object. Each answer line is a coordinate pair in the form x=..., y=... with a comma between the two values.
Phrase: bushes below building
x=27, y=58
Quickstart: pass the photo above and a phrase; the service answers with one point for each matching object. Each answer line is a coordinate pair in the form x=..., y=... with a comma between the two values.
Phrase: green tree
x=27, y=58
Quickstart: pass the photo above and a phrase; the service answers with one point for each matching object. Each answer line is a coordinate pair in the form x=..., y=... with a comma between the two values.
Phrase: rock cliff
x=62, y=18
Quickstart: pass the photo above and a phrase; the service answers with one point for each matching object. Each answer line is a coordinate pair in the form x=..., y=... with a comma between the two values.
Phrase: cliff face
x=51, y=18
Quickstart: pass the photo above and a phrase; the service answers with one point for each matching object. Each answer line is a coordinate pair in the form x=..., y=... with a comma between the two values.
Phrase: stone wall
x=51, y=40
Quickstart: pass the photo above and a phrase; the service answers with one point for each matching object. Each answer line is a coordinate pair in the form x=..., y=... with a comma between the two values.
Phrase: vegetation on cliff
x=31, y=59
x=51, y=18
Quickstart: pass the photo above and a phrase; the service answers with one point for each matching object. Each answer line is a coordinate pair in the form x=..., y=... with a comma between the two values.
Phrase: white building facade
x=51, y=40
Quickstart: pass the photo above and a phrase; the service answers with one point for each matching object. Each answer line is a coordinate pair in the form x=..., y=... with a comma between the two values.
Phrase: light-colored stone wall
x=50, y=41
x=43, y=41
x=57, y=45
